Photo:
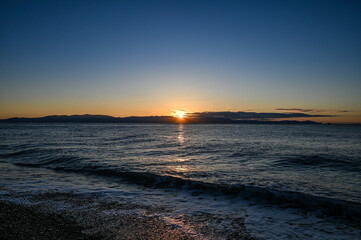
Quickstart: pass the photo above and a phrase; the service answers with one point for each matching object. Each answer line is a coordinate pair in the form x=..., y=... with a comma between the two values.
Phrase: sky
x=142, y=58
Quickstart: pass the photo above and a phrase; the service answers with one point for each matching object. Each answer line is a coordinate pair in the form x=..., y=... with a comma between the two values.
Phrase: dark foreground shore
x=20, y=222
x=23, y=222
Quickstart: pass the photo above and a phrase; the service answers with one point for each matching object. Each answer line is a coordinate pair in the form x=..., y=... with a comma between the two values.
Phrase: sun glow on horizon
x=179, y=113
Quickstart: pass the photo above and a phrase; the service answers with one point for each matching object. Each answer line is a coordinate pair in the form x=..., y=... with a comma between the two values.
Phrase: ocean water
x=269, y=181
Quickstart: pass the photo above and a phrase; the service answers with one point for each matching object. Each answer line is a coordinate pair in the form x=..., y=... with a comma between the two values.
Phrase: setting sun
x=179, y=113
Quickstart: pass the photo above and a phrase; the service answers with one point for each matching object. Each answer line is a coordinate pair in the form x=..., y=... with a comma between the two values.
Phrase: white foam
x=191, y=213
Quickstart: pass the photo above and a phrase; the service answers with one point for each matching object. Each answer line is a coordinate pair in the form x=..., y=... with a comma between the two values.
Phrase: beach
x=69, y=215
x=23, y=222
x=20, y=222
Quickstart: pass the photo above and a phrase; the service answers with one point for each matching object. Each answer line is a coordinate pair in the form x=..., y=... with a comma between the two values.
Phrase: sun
x=179, y=114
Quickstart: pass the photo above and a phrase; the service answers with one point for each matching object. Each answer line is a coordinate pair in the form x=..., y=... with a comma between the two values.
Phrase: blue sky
x=150, y=57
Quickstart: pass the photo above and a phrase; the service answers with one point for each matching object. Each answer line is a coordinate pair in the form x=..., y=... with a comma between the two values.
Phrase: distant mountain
x=87, y=118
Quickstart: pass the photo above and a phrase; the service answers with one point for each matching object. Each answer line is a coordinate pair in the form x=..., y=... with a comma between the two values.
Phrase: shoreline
x=19, y=222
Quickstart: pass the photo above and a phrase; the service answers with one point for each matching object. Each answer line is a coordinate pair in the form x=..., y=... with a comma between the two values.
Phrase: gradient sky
x=125, y=58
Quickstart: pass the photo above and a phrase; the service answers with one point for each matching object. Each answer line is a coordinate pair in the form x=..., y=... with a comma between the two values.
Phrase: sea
x=211, y=181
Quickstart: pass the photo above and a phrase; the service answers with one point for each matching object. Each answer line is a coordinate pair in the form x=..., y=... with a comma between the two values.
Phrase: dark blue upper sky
x=211, y=54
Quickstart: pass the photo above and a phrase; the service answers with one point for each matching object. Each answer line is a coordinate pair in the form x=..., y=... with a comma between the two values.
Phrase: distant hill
x=87, y=118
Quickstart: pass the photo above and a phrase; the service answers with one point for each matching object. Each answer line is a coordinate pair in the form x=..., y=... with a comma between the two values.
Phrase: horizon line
x=186, y=117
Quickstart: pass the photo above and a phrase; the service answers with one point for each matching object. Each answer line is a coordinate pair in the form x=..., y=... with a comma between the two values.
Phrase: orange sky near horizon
x=29, y=109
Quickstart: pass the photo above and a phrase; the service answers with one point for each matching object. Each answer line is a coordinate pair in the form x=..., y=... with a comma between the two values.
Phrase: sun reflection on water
x=182, y=160
x=179, y=170
x=179, y=167
x=181, y=133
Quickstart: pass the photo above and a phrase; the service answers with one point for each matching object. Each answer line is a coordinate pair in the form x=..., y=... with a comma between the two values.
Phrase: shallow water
x=286, y=181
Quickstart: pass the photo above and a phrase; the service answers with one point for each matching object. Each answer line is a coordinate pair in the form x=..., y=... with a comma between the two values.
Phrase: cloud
x=253, y=115
x=298, y=109
x=307, y=110
x=343, y=111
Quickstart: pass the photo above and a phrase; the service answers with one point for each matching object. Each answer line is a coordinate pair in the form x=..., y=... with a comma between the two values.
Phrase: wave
x=36, y=157
x=245, y=153
x=19, y=153
x=319, y=161
x=130, y=136
x=65, y=160
x=51, y=159
x=328, y=206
